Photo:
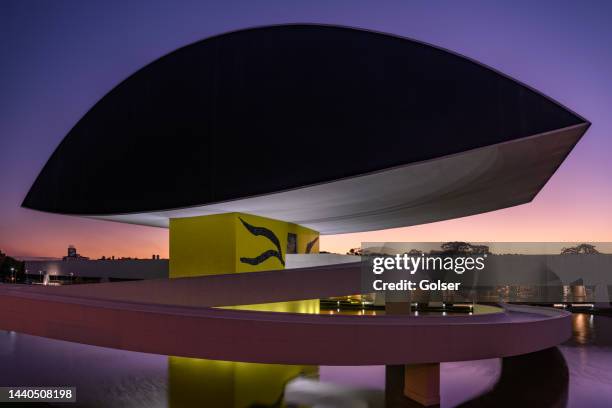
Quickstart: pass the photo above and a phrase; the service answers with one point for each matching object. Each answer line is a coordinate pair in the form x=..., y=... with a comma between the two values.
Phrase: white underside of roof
x=472, y=182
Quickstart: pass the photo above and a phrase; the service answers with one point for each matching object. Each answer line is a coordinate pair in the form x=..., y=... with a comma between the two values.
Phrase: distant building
x=75, y=268
x=73, y=254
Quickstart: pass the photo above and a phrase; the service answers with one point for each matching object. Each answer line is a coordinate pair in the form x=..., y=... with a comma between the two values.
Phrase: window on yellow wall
x=291, y=243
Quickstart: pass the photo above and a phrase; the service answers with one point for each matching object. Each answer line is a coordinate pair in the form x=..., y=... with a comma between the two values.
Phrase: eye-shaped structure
x=249, y=144
x=334, y=128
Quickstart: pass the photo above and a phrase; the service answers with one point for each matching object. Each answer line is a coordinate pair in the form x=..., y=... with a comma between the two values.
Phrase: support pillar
x=399, y=303
x=398, y=308
x=422, y=383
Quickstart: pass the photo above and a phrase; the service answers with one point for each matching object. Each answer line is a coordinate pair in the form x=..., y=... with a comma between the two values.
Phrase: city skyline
x=44, y=99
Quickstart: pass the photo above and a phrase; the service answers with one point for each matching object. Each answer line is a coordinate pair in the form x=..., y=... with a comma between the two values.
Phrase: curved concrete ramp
x=96, y=315
x=222, y=290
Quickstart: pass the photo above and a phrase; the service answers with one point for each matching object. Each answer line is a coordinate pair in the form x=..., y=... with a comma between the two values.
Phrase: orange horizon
x=533, y=222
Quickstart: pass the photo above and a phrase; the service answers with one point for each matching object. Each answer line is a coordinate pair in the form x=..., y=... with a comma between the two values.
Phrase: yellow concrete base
x=234, y=242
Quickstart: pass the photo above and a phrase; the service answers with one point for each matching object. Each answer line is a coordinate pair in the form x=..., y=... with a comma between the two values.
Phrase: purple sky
x=59, y=57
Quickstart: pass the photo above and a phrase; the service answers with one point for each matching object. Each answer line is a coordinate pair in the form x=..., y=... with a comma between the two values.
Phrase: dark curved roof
x=273, y=108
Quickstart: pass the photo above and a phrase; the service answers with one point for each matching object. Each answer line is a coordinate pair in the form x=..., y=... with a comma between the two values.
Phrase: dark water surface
x=576, y=374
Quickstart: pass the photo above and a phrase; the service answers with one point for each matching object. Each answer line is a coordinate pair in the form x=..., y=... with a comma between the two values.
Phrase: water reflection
x=577, y=374
x=537, y=379
x=306, y=392
x=591, y=330
x=589, y=358
x=103, y=377
x=208, y=383
x=582, y=328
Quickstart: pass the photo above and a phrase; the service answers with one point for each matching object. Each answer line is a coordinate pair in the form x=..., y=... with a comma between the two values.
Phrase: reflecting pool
x=576, y=374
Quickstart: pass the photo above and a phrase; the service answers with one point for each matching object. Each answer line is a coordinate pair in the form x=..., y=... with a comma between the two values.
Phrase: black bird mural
x=311, y=244
x=257, y=231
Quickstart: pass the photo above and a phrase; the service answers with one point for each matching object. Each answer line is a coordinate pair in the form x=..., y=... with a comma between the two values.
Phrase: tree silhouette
x=458, y=247
x=354, y=251
x=580, y=249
